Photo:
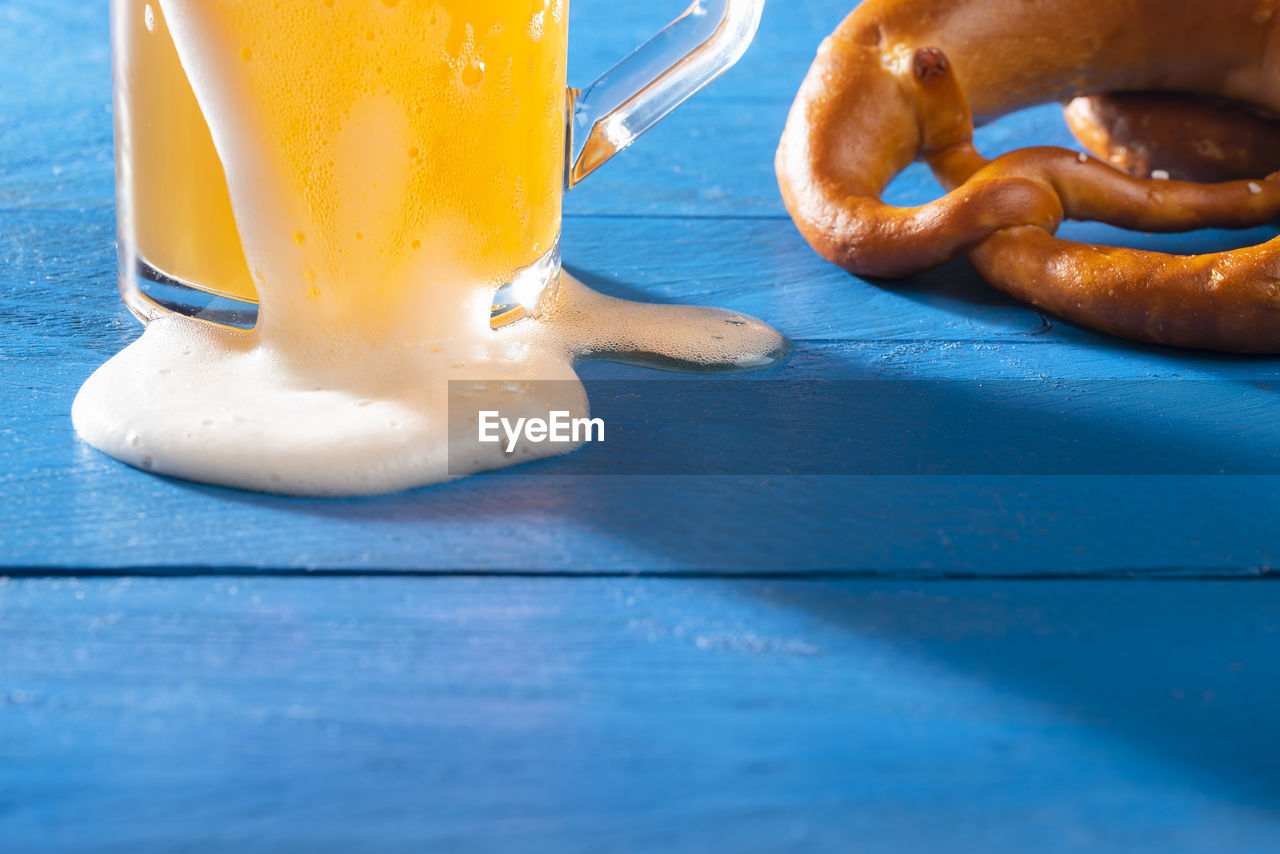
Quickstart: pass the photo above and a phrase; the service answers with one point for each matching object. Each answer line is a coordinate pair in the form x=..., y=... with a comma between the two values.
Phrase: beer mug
x=319, y=160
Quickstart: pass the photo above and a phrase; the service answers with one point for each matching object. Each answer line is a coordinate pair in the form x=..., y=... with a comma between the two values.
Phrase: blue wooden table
x=1025, y=612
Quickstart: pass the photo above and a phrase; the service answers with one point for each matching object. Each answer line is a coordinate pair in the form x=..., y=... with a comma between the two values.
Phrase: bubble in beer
x=473, y=74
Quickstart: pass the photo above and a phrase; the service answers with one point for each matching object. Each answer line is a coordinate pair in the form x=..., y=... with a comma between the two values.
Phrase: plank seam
x=1153, y=574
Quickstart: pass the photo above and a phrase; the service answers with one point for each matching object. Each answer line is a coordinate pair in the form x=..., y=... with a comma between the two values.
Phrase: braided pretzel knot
x=904, y=79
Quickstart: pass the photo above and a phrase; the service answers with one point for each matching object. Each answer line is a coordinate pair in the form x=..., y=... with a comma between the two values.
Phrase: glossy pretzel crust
x=1190, y=138
x=904, y=79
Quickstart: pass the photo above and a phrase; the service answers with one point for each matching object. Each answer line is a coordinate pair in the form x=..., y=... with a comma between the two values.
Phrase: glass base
x=519, y=298
x=150, y=293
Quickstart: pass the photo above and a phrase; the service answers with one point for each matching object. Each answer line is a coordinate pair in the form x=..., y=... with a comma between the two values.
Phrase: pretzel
x=1194, y=139
x=901, y=80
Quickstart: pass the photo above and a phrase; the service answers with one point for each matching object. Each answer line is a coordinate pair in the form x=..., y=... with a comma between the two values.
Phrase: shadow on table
x=1178, y=671
x=956, y=288
x=1175, y=675
x=673, y=441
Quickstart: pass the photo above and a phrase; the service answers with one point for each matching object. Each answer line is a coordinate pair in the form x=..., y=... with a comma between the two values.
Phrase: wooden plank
x=939, y=526
x=691, y=215
x=714, y=157
x=59, y=267
x=261, y=714
x=1084, y=409
x=66, y=505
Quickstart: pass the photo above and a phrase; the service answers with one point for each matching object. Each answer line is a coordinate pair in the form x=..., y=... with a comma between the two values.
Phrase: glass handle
x=659, y=76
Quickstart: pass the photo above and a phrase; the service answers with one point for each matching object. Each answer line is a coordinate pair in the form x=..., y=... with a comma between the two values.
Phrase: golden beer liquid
x=453, y=109
x=181, y=213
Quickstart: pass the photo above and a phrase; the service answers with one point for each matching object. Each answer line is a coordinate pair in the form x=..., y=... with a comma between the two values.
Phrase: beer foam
x=220, y=406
